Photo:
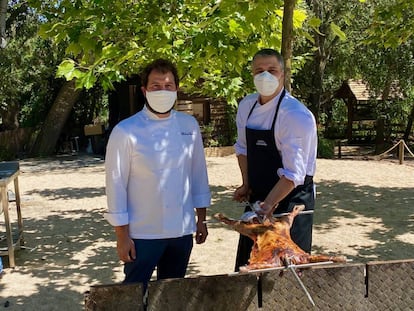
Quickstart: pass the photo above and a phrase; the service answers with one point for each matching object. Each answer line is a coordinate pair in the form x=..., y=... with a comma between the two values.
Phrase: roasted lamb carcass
x=273, y=246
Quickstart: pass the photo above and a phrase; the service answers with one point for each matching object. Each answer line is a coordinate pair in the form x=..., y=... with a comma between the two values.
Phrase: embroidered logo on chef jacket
x=261, y=142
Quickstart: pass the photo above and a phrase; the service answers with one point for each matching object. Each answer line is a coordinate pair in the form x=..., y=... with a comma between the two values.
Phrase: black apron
x=263, y=161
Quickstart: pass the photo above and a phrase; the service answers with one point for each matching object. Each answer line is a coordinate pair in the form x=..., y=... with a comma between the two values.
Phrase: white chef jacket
x=295, y=133
x=156, y=175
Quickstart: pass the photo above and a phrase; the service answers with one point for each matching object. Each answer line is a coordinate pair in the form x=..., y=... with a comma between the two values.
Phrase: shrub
x=326, y=148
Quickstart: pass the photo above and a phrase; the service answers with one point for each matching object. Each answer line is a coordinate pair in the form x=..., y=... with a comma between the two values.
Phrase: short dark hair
x=160, y=65
x=270, y=52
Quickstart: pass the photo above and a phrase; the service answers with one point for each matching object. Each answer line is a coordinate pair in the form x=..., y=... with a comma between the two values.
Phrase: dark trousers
x=170, y=256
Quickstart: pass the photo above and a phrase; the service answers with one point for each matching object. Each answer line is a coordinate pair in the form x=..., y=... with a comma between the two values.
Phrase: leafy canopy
x=211, y=41
x=393, y=23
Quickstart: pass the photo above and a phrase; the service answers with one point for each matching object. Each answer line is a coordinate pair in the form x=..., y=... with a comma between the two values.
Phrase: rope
x=408, y=149
x=397, y=144
x=385, y=152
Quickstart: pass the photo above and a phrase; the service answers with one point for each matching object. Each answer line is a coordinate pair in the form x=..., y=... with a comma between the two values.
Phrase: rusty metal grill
x=364, y=287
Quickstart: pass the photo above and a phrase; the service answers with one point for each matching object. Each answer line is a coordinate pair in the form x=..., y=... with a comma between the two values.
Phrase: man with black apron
x=276, y=150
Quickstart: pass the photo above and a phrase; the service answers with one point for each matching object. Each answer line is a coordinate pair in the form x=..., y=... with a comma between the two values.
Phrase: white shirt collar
x=273, y=100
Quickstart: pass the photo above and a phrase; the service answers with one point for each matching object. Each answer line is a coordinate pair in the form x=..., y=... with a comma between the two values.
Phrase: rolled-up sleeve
x=117, y=164
x=240, y=147
x=296, y=139
x=201, y=195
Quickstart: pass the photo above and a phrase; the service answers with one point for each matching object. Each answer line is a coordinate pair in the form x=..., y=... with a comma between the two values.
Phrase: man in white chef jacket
x=156, y=182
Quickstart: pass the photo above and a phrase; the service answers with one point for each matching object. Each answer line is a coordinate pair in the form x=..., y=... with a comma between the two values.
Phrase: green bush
x=326, y=148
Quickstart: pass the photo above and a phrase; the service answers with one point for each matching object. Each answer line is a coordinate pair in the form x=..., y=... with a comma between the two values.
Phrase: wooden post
x=401, y=151
x=339, y=149
x=379, y=136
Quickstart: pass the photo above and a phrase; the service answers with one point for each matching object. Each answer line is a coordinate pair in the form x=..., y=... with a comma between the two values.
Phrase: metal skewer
x=302, y=285
x=300, y=213
x=274, y=215
x=305, y=265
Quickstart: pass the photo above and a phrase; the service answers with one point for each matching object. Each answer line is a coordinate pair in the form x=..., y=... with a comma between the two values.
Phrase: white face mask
x=161, y=101
x=266, y=83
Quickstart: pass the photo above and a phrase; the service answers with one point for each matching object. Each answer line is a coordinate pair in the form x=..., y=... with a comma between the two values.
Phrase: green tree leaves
x=393, y=23
x=211, y=41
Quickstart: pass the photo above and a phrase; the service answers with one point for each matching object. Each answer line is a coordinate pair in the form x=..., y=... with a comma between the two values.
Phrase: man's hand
x=267, y=209
x=124, y=244
x=126, y=249
x=241, y=194
x=201, y=233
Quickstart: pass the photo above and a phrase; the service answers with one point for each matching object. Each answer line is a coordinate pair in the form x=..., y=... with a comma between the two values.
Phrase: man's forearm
x=282, y=188
x=201, y=214
x=122, y=232
x=242, y=160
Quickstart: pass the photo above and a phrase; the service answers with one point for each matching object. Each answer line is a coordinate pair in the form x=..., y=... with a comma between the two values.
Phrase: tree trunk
x=55, y=120
x=10, y=116
x=3, y=11
x=320, y=59
x=287, y=39
x=409, y=125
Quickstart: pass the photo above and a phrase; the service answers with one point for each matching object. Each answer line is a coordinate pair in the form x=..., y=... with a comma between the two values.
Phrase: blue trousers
x=170, y=256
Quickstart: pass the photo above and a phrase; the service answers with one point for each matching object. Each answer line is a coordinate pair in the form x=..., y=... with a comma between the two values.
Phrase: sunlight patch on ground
x=407, y=237
x=12, y=283
x=357, y=234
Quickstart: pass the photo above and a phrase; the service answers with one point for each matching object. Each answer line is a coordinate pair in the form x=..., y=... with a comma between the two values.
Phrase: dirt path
x=364, y=210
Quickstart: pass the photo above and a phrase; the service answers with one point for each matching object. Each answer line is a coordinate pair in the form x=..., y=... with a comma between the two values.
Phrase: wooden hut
x=366, y=124
x=361, y=126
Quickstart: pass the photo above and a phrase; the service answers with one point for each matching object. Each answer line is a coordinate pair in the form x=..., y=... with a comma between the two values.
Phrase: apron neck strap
x=277, y=109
